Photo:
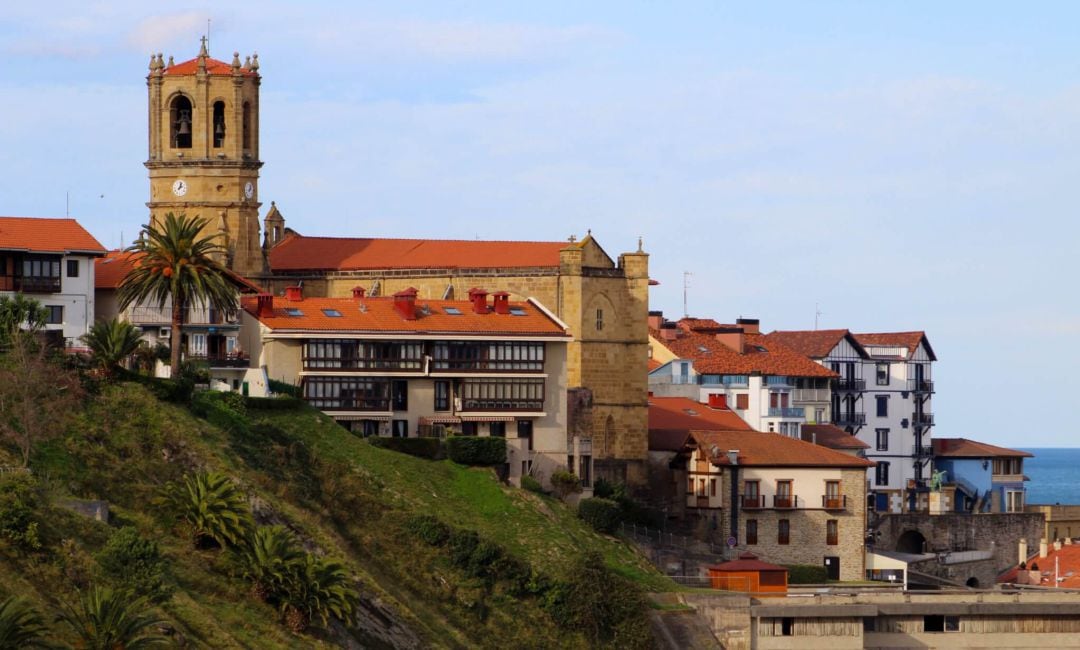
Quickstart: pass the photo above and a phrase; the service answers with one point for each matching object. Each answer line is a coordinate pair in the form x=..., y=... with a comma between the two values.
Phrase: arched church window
x=219, y=124
x=180, y=122
x=247, y=125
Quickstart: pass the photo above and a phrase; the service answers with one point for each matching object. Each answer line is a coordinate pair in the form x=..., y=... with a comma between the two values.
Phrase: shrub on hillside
x=602, y=514
x=211, y=507
x=806, y=574
x=565, y=483
x=473, y=450
x=531, y=484
x=223, y=410
x=135, y=564
x=461, y=544
x=606, y=489
x=281, y=403
x=431, y=448
x=429, y=529
x=607, y=609
x=283, y=388
x=19, y=503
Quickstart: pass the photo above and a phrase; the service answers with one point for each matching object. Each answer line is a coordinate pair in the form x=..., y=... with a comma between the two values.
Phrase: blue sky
x=902, y=165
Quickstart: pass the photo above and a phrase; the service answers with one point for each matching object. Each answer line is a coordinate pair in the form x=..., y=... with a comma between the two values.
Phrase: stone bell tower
x=204, y=149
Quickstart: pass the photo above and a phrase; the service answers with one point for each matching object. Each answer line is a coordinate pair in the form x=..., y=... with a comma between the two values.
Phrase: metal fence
x=13, y=470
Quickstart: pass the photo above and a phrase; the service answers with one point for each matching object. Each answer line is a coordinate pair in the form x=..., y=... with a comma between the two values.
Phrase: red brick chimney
x=717, y=401
x=295, y=294
x=502, y=302
x=732, y=337
x=264, y=303
x=358, y=293
x=656, y=319
x=749, y=325
x=478, y=298
x=405, y=303
x=669, y=332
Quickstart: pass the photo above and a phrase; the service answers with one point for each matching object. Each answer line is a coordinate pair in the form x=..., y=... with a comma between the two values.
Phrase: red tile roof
x=909, y=340
x=213, y=66
x=299, y=253
x=964, y=448
x=110, y=270
x=765, y=449
x=379, y=315
x=46, y=236
x=816, y=344
x=747, y=562
x=760, y=355
x=831, y=436
x=680, y=413
x=1068, y=566
x=653, y=365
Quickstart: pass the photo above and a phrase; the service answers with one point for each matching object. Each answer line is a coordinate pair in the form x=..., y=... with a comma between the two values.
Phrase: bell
x=219, y=129
x=184, y=128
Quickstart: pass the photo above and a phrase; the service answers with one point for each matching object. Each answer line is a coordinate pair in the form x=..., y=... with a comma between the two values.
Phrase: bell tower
x=204, y=149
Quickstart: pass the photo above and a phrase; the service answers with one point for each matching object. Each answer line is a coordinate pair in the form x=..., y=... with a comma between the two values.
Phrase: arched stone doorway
x=911, y=541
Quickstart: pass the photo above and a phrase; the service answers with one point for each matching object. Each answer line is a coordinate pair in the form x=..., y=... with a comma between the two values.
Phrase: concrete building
x=51, y=261
x=983, y=477
x=403, y=366
x=760, y=380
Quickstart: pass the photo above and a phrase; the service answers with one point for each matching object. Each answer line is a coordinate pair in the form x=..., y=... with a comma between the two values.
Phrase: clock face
x=179, y=187
x=249, y=190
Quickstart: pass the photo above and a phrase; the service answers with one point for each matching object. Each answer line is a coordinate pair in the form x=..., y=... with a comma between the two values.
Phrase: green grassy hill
x=340, y=495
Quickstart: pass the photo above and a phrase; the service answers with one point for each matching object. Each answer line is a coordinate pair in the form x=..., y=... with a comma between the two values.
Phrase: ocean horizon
x=1054, y=474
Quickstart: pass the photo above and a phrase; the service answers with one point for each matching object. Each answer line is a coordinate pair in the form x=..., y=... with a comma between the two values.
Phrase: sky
x=887, y=166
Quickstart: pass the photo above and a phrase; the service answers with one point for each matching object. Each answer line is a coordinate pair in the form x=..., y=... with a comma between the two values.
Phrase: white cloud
x=154, y=33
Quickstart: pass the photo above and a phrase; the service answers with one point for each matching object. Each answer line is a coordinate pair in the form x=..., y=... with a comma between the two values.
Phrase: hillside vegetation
x=442, y=555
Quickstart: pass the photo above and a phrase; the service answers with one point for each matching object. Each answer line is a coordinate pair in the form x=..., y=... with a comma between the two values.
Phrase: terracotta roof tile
x=1067, y=561
x=964, y=448
x=213, y=66
x=46, y=236
x=764, y=449
x=110, y=270
x=831, y=436
x=746, y=562
x=297, y=253
x=760, y=355
x=379, y=315
x=680, y=413
x=909, y=340
x=816, y=344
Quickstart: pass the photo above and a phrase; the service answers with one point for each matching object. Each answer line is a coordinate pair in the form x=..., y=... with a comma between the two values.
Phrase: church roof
x=43, y=235
x=213, y=66
x=299, y=253
x=109, y=272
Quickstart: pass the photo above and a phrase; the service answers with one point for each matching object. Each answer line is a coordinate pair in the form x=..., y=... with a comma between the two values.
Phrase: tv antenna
x=685, y=285
x=817, y=314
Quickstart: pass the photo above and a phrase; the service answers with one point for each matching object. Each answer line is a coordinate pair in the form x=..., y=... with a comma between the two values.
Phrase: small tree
x=21, y=626
x=104, y=619
x=211, y=506
x=19, y=314
x=318, y=588
x=112, y=342
x=36, y=395
x=268, y=560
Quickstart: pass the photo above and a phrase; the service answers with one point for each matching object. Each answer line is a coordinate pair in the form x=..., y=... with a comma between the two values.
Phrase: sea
x=1054, y=474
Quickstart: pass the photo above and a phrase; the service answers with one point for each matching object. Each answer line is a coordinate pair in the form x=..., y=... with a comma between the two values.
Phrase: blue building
x=986, y=478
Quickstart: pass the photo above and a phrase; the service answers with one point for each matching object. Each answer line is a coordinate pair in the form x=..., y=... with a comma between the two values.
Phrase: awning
x=440, y=419
x=352, y=417
x=488, y=418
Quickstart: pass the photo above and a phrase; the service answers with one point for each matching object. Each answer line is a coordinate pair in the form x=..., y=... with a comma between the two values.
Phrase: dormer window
x=180, y=123
x=219, y=124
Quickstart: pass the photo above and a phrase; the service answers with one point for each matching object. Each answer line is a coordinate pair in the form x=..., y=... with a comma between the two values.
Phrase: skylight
x=517, y=311
x=293, y=311
x=332, y=313
x=453, y=311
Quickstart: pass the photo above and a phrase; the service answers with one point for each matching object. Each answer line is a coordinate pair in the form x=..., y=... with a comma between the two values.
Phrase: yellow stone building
x=204, y=161
x=204, y=149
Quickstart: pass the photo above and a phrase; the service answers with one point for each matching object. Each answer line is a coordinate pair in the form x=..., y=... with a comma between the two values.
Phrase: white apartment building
x=882, y=396
x=770, y=386
x=51, y=261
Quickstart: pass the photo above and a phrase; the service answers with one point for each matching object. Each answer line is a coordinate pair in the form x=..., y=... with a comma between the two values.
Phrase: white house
x=51, y=261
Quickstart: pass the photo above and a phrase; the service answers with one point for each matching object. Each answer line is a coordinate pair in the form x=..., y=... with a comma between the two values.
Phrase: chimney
x=502, y=302
x=295, y=294
x=749, y=325
x=264, y=305
x=1042, y=547
x=656, y=319
x=717, y=401
x=358, y=293
x=732, y=337
x=478, y=298
x=733, y=456
x=669, y=332
x=405, y=303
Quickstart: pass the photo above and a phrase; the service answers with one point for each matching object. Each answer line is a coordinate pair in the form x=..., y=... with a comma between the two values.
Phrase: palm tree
x=268, y=560
x=212, y=506
x=318, y=588
x=177, y=265
x=111, y=342
x=21, y=626
x=104, y=619
x=19, y=313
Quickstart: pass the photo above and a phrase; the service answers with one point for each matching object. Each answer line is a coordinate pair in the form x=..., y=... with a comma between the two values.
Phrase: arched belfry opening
x=246, y=126
x=219, y=124
x=180, y=122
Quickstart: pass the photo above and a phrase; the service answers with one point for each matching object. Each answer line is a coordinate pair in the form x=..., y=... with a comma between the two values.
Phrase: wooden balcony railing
x=785, y=502
x=834, y=502
x=753, y=502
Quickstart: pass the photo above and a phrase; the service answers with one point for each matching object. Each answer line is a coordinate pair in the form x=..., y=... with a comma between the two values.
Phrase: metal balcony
x=850, y=419
x=922, y=419
x=834, y=502
x=785, y=502
x=752, y=502
x=920, y=386
x=787, y=412
x=844, y=384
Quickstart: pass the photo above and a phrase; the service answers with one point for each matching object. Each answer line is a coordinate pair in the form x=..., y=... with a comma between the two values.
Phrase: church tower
x=204, y=149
